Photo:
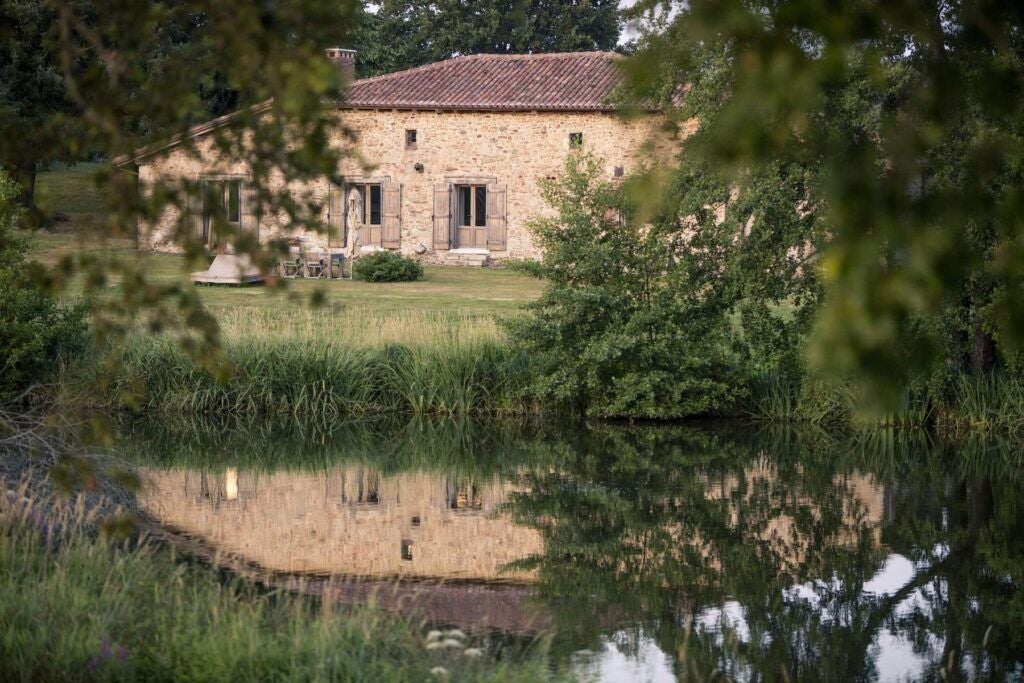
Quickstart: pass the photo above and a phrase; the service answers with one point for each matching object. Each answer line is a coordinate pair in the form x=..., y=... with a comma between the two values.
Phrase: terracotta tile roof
x=563, y=81
x=568, y=81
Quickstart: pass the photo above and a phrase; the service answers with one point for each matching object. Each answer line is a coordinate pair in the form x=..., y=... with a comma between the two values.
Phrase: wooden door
x=471, y=214
x=337, y=225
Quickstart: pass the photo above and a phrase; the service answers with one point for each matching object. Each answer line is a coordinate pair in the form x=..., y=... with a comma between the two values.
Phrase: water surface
x=650, y=553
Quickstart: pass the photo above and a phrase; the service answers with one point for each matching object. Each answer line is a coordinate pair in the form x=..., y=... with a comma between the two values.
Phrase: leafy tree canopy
x=405, y=33
x=895, y=130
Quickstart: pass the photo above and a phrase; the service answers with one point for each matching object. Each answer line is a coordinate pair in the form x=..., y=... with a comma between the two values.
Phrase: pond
x=645, y=552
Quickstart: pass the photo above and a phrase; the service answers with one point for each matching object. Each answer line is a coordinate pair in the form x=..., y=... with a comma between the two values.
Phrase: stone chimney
x=345, y=60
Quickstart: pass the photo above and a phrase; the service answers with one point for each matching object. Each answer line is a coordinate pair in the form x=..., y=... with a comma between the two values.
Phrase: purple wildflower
x=105, y=649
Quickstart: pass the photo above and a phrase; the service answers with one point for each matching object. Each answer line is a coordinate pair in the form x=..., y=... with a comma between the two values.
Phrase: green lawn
x=70, y=189
x=463, y=291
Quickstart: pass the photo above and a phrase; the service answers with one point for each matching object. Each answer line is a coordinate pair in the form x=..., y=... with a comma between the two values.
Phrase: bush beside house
x=387, y=266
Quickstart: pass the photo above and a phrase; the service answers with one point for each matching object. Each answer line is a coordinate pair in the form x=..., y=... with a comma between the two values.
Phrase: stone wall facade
x=508, y=152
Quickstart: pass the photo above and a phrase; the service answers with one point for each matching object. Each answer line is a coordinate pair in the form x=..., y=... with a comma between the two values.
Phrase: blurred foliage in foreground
x=36, y=333
x=83, y=79
x=878, y=143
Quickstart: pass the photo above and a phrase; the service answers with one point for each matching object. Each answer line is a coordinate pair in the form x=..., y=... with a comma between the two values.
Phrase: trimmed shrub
x=387, y=266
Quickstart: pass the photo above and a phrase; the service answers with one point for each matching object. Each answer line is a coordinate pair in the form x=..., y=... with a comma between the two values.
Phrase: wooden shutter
x=195, y=211
x=251, y=211
x=496, y=223
x=442, y=217
x=391, y=215
x=336, y=224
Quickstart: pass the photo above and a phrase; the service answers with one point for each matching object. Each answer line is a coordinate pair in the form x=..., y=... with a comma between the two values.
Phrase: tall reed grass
x=77, y=604
x=992, y=403
x=776, y=398
x=972, y=405
x=314, y=363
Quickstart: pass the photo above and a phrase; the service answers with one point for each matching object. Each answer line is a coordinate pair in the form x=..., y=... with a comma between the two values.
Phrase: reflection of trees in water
x=653, y=528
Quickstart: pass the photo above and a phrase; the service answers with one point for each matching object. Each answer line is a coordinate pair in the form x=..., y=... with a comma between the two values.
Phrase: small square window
x=410, y=139
x=406, y=550
x=575, y=139
x=619, y=172
x=416, y=520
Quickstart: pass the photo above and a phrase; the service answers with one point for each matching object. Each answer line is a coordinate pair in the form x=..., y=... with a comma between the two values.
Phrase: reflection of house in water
x=347, y=521
x=353, y=521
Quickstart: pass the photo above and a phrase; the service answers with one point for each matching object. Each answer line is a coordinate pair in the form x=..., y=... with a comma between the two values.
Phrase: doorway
x=471, y=216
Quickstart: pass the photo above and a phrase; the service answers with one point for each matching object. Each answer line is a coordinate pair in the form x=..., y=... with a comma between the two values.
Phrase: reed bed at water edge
x=824, y=403
x=990, y=404
x=311, y=362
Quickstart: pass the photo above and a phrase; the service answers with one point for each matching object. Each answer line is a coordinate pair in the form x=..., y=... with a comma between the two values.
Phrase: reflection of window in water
x=362, y=487
x=463, y=494
x=218, y=487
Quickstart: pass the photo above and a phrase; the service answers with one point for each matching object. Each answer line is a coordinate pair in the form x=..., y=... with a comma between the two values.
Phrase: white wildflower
x=473, y=652
x=455, y=633
x=435, y=645
x=434, y=635
x=440, y=672
x=451, y=642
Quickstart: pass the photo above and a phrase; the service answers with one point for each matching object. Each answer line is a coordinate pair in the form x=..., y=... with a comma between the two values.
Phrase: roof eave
x=192, y=133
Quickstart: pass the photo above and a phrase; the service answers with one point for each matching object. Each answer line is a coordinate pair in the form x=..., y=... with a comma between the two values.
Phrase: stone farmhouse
x=457, y=149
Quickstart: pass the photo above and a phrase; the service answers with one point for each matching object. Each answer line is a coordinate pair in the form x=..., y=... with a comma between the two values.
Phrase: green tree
x=36, y=333
x=405, y=33
x=908, y=117
x=36, y=115
x=624, y=327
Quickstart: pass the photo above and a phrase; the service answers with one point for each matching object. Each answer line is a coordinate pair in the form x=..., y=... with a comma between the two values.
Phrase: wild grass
x=79, y=604
x=991, y=403
x=821, y=402
x=301, y=363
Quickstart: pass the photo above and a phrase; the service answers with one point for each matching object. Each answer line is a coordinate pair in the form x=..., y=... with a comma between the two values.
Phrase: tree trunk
x=25, y=175
x=983, y=349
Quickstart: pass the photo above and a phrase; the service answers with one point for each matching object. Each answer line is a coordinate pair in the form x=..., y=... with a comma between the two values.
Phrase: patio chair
x=314, y=265
x=291, y=266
